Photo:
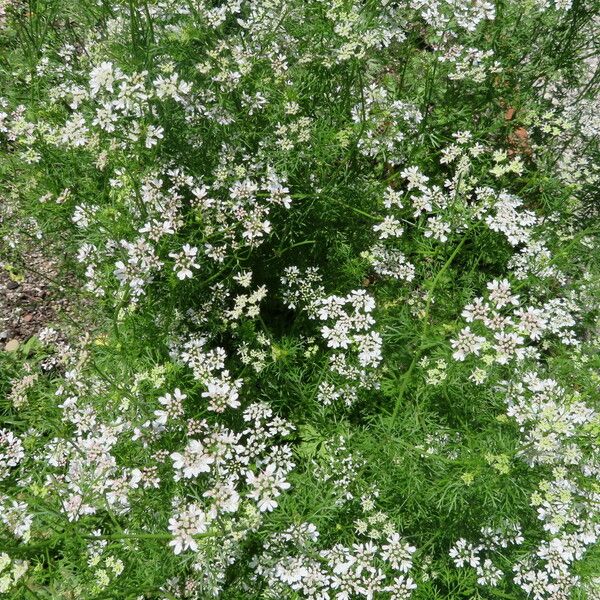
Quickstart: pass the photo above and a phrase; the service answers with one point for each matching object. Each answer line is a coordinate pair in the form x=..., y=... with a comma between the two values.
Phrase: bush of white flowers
x=333, y=274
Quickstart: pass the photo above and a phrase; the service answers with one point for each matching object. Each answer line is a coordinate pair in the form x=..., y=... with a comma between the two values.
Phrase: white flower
x=11, y=451
x=185, y=261
x=391, y=263
x=173, y=407
x=398, y=553
x=414, y=177
x=222, y=392
x=225, y=498
x=173, y=87
x=464, y=552
x=401, y=588
x=478, y=310
x=488, y=574
x=389, y=227
x=437, y=229
x=392, y=198
x=244, y=278
x=506, y=346
x=153, y=134
x=267, y=485
x=194, y=460
x=185, y=525
x=466, y=343
x=500, y=293
x=531, y=322
x=102, y=77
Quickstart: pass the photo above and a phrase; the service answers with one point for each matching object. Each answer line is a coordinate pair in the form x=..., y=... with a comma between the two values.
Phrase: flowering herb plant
x=333, y=274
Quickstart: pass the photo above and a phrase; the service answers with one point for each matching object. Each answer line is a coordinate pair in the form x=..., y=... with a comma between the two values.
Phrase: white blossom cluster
x=292, y=562
x=347, y=327
x=11, y=570
x=505, y=325
x=470, y=64
x=386, y=121
x=437, y=212
x=235, y=207
x=550, y=420
x=11, y=452
x=340, y=470
x=195, y=168
x=233, y=476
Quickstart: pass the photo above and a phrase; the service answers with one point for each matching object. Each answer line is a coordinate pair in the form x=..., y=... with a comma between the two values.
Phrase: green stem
x=405, y=380
x=418, y=353
x=353, y=208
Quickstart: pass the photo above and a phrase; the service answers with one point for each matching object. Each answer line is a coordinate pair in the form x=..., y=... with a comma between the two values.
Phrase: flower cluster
x=507, y=327
x=293, y=562
x=11, y=452
x=11, y=571
x=333, y=267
